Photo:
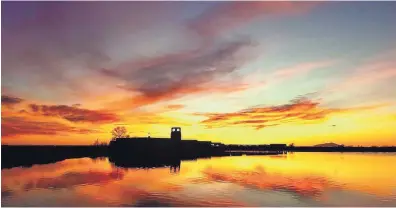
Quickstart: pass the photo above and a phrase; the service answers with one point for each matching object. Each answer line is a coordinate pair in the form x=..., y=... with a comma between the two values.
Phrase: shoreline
x=29, y=155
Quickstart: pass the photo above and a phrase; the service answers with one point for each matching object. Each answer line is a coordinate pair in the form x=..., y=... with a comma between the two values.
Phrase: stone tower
x=176, y=134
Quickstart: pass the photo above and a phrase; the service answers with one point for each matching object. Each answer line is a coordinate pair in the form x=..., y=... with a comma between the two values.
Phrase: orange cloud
x=174, y=93
x=39, y=119
x=74, y=113
x=299, y=110
x=14, y=125
x=174, y=107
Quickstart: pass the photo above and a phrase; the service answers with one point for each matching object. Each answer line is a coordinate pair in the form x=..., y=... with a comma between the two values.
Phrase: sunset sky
x=231, y=72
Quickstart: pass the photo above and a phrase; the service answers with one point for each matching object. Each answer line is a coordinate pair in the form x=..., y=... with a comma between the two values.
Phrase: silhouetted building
x=149, y=148
x=277, y=146
x=176, y=134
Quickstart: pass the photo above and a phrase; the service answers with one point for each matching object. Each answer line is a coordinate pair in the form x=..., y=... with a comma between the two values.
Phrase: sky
x=231, y=72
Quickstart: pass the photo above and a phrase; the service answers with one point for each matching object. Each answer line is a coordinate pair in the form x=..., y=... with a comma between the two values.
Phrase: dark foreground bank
x=26, y=156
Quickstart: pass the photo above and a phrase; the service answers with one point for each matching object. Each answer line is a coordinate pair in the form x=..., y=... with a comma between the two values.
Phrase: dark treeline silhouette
x=284, y=147
x=28, y=155
x=341, y=148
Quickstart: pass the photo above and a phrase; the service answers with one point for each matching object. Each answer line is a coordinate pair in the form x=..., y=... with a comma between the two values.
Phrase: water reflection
x=71, y=179
x=308, y=186
x=299, y=179
x=175, y=169
x=173, y=163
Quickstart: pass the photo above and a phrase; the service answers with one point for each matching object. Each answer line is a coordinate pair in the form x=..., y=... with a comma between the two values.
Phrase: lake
x=293, y=179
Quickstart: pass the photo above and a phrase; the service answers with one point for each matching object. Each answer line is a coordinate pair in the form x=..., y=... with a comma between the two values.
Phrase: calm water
x=298, y=179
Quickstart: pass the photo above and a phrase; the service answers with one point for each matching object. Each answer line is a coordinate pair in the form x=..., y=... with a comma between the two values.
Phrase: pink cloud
x=299, y=69
x=380, y=68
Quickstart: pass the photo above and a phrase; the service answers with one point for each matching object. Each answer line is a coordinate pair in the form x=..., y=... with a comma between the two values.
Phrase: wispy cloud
x=300, y=69
x=173, y=76
x=369, y=73
x=74, y=113
x=10, y=101
x=16, y=126
x=230, y=15
x=298, y=110
x=174, y=107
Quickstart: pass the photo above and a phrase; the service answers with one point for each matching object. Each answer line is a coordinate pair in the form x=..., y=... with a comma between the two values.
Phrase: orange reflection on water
x=300, y=179
x=258, y=178
x=366, y=172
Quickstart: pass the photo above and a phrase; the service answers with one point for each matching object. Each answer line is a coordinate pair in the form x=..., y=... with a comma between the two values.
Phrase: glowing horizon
x=231, y=72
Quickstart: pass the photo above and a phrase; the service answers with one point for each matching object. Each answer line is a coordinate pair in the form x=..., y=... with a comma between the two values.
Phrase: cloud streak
x=230, y=15
x=172, y=76
x=371, y=72
x=299, y=69
x=174, y=107
x=299, y=110
x=16, y=126
x=74, y=114
x=10, y=101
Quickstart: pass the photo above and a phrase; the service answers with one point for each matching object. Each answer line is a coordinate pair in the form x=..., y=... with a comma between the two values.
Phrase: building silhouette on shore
x=176, y=134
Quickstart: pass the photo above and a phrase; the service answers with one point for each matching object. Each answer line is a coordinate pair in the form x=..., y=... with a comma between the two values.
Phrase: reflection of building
x=176, y=134
x=175, y=168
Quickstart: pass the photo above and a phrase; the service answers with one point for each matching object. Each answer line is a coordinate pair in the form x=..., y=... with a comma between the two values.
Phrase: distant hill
x=331, y=144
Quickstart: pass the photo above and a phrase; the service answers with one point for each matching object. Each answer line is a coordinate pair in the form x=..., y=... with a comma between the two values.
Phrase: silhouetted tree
x=97, y=143
x=119, y=132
